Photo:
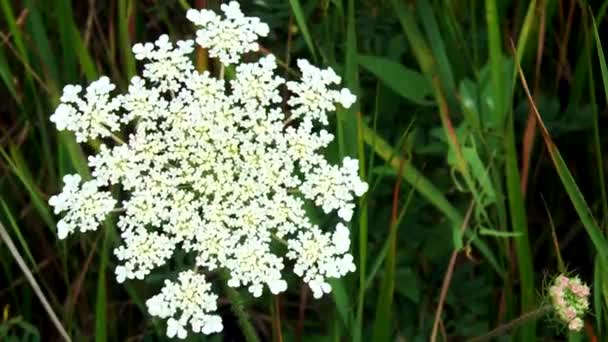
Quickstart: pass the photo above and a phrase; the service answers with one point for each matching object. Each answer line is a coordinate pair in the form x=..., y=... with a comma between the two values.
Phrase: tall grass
x=440, y=127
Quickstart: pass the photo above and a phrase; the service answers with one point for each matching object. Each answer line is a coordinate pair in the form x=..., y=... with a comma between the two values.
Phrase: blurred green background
x=468, y=197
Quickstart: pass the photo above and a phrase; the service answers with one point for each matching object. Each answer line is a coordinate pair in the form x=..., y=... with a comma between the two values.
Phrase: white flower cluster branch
x=210, y=167
x=189, y=302
x=230, y=37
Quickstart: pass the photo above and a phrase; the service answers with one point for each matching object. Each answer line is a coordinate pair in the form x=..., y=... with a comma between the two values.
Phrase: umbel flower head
x=215, y=168
x=570, y=299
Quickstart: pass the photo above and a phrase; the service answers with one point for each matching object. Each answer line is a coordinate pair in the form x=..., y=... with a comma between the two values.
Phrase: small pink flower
x=562, y=280
x=570, y=314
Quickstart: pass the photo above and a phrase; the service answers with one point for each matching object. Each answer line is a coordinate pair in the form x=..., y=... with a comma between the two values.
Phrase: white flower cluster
x=215, y=168
x=186, y=302
x=229, y=38
x=84, y=206
x=91, y=117
x=320, y=255
x=312, y=96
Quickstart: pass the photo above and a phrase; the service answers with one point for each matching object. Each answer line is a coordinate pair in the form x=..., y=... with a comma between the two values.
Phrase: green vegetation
x=479, y=128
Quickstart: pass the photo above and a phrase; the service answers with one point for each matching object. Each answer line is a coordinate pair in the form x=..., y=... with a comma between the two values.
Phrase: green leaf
x=408, y=83
x=499, y=233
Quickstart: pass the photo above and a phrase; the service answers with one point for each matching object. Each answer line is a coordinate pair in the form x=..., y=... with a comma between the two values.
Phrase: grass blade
x=515, y=197
x=18, y=167
x=496, y=63
x=17, y=231
x=519, y=225
x=423, y=54
x=33, y=283
x=351, y=121
x=125, y=12
x=437, y=45
x=6, y=76
x=72, y=45
x=41, y=41
x=574, y=193
x=596, y=129
x=101, y=324
x=298, y=14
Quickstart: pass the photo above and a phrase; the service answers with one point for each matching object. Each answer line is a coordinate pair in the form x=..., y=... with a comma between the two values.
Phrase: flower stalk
x=238, y=309
x=507, y=327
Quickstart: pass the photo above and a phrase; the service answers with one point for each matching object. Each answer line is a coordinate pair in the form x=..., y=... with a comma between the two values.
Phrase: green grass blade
x=423, y=54
x=342, y=300
x=85, y=59
x=599, y=286
x=580, y=205
x=347, y=118
x=18, y=167
x=354, y=136
x=515, y=199
x=33, y=283
x=31, y=90
x=363, y=234
x=63, y=10
x=101, y=321
x=15, y=31
x=382, y=329
x=524, y=34
x=496, y=63
x=17, y=231
x=6, y=76
x=41, y=41
x=125, y=10
x=301, y=20
x=437, y=44
x=574, y=193
x=602, y=59
x=596, y=128
x=77, y=157
x=72, y=45
x=519, y=225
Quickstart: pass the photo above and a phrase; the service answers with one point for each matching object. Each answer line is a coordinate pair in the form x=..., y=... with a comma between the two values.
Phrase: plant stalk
x=503, y=329
x=30, y=278
x=238, y=308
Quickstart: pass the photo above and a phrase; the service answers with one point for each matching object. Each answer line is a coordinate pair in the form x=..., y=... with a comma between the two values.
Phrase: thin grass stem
x=30, y=278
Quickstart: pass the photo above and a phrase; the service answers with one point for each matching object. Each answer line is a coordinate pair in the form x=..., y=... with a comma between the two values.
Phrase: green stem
x=238, y=308
x=117, y=139
x=503, y=329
